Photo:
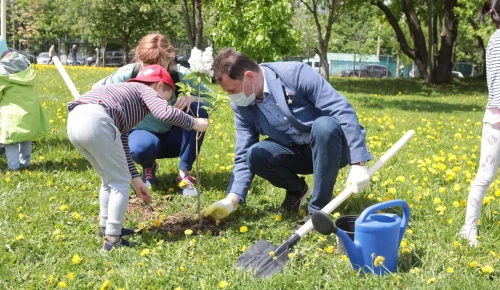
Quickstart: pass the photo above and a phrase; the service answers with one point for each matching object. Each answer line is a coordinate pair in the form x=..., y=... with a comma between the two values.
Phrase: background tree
x=324, y=13
x=444, y=15
x=259, y=28
x=193, y=16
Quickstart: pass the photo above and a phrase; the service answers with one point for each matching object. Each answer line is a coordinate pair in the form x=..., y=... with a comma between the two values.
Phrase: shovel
x=258, y=256
x=64, y=75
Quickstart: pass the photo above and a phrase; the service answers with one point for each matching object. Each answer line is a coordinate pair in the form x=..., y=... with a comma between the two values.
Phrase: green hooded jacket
x=22, y=117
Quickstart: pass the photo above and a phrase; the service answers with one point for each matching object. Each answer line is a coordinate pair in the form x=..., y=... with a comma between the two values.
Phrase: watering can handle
x=390, y=203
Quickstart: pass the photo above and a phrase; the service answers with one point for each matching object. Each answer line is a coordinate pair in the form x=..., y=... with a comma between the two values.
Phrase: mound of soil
x=174, y=225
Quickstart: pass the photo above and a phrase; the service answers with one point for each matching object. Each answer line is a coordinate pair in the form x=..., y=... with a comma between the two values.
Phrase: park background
x=48, y=214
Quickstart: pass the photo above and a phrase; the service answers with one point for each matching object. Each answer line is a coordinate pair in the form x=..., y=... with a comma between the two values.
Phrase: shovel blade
x=257, y=257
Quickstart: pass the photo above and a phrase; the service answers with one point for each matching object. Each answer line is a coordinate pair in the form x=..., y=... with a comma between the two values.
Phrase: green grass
x=41, y=204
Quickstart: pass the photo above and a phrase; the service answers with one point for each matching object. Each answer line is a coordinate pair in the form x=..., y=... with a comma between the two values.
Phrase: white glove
x=358, y=178
x=222, y=208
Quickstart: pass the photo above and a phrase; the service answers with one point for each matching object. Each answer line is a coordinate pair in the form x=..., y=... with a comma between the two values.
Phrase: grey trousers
x=92, y=131
x=18, y=155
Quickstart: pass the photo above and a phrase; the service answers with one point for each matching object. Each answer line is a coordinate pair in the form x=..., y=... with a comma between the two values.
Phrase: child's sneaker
x=149, y=175
x=187, y=185
x=125, y=232
x=108, y=245
x=470, y=234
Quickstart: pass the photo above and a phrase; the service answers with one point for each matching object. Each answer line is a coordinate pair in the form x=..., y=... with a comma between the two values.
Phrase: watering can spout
x=353, y=249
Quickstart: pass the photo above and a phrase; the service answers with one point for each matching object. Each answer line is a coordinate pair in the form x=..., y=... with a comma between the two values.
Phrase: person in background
x=22, y=116
x=98, y=126
x=310, y=129
x=490, y=144
x=152, y=139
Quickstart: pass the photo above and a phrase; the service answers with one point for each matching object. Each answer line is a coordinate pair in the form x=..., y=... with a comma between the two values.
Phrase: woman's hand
x=185, y=102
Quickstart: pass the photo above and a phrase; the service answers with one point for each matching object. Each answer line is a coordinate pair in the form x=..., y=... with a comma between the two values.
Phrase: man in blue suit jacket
x=311, y=128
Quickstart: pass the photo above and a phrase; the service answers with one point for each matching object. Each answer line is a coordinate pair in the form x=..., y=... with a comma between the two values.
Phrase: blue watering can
x=374, y=235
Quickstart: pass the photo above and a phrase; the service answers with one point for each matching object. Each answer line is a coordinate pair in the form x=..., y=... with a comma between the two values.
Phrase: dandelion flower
x=456, y=244
x=449, y=270
x=156, y=223
x=379, y=260
x=77, y=216
x=473, y=264
x=278, y=218
x=243, y=229
x=437, y=200
x=76, y=259
x=223, y=284
x=62, y=284
x=188, y=232
x=182, y=268
x=431, y=280
x=51, y=279
x=106, y=285
x=401, y=179
x=7, y=179
x=63, y=207
x=20, y=237
x=329, y=249
x=415, y=270
x=487, y=269
x=243, y=248
x=271, y=253
x=144, y=252
x=291, y=255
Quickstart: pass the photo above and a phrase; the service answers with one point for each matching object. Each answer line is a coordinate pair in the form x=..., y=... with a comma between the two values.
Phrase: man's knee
x=257, y=157
x=325, y=127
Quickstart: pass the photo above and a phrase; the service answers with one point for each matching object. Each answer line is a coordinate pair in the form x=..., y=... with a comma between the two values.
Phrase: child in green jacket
x=22, y=117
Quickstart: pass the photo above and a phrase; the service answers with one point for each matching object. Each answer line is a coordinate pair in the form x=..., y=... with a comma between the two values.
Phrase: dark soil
x=174, y=225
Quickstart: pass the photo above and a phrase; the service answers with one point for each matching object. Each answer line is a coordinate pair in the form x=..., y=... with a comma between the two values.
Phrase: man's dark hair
x=493, y=9
x=233, y=64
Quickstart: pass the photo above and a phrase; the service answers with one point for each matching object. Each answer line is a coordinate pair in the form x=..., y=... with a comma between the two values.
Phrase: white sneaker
x=470, y=234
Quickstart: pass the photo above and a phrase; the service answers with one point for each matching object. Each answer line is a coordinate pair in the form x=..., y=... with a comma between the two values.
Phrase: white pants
x=486, y=173
x=18, y=155
x=92, y=131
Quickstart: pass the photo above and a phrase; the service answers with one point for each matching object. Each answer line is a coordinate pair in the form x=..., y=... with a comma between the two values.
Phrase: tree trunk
x=198, y=24
x=449, y=31
x=444, y=57
x=187, y=23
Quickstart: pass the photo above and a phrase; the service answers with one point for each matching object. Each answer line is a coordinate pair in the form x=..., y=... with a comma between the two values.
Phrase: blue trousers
x=323, y=157
x=146, y=147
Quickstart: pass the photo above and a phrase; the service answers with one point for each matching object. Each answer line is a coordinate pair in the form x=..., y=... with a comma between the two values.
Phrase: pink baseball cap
x=153, y=74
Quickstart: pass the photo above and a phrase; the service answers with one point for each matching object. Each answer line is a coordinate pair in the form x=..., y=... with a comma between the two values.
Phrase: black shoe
x=294, y=199
x=125, y=232
x=108, y=245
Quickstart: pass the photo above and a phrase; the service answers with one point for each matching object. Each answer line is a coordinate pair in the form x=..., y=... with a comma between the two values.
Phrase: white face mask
x=241, y=99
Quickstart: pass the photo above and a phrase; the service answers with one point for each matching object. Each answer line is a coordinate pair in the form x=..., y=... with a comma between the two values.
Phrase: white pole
x=66, y=77
x=4, y=20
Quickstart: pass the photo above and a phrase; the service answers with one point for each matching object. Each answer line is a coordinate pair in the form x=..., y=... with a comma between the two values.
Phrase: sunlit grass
x=48, y=214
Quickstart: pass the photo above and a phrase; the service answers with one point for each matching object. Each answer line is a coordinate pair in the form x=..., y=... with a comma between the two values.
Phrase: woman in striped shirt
x=98, y=126
x=490, y=144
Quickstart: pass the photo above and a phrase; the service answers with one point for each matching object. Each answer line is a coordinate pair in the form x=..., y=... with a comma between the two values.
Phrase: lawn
x=48, y=214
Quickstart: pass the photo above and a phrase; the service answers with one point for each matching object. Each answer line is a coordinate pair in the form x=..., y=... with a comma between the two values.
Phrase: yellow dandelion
x=144, y=252
x=278, y=218
x=84, y=187
x=271, y=253
x=20, y=216
x=178, y=288
x=70, y=276
x=51, y=279
x=291, y=255
x=401, y=179
x=188, y=232
x=449, y=270
x=63, y=207
x=106, y=285
x=487, y=269
x=442, y=190
x=223, y=284
x=243, y=229
x=20, y=237
x=345, y=258
x=77, y=216
x=76, y=259
x=329, y=249
x=62, y=284
x=437, y=200
x=156, y=223
x=456, y=244
x=7, y=179
x=472, y=264
x=415, y=270
x=431, y=280
x=182, y=183
x=182, y=268
x=379, y=260
x=243, y=248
